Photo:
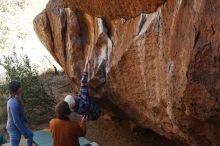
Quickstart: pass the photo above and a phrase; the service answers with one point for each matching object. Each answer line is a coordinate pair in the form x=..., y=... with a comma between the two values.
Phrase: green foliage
x=38, y=104
x=3, y=110
x=9, y=6
x=4, y=30
x=9, y=26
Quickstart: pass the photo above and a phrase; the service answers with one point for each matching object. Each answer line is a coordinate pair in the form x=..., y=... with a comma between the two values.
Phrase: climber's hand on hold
x=84, y=118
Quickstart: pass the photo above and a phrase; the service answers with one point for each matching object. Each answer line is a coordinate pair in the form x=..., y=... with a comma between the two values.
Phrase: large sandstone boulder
x=155, y=62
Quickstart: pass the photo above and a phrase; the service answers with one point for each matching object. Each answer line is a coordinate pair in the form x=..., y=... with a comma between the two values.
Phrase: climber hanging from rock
x=82, y=103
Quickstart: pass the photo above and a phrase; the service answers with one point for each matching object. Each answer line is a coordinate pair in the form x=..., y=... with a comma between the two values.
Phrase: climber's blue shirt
x=16, y=118
x=84, y=105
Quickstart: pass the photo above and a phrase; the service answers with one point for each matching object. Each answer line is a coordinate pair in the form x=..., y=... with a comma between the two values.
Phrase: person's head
x=15, y=87
x=62, y=110
x=70, y=100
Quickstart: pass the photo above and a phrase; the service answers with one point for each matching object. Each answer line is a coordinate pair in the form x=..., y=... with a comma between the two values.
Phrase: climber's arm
x=84, y=90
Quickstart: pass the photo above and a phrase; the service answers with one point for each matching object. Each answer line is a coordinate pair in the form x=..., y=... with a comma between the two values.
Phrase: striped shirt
x=84, y=105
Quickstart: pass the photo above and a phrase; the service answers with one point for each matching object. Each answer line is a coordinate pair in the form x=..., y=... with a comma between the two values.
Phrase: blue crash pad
x=44, y=138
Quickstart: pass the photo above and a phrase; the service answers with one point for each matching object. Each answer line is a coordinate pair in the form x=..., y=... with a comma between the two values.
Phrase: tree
x=48, y=58
x=38, y=102
x=9, y=9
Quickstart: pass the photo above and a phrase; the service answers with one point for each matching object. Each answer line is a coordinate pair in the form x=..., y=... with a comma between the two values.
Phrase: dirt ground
x=107, y=132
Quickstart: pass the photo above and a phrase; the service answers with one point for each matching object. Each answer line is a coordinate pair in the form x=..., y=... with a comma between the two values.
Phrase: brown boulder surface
x=155, y=62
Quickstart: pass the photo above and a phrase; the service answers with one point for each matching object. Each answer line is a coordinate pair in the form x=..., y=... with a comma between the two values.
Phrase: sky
x=31, y=44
